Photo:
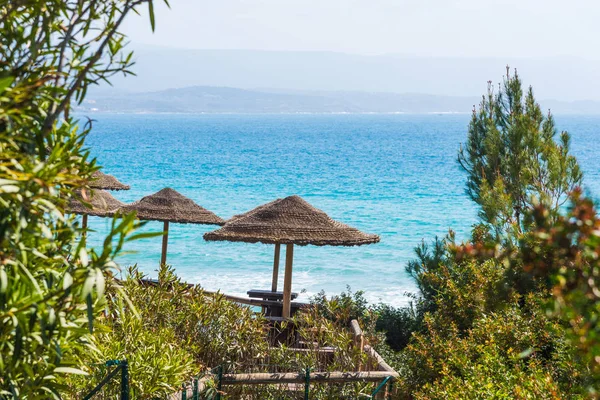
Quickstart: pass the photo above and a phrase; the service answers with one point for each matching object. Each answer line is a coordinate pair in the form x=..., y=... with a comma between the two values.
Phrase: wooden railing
x=384, y=374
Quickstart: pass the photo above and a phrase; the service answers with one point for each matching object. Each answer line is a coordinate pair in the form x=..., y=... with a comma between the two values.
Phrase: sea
x=395, y=175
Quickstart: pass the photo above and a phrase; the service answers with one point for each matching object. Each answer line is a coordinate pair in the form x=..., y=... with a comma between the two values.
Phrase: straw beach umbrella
x=100, y=180
x=168, y=205
x=289, y=221
x=101, y=204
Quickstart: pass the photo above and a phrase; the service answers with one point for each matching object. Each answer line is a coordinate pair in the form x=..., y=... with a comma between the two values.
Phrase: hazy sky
x=470, y=28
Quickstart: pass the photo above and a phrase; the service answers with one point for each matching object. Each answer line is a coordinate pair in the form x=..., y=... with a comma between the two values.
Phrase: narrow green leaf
x=5, y=82
x=67, y=281
x=151, y=13
x=3, y=280
x=88, y=285
x=138, y=236
x=69, y=370
x=83, y=257
x=100, y=282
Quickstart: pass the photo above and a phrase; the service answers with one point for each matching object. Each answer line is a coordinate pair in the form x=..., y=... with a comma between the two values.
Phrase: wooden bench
x=268, y=295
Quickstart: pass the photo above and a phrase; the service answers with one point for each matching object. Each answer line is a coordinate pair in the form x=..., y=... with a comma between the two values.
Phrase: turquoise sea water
x=394, y=175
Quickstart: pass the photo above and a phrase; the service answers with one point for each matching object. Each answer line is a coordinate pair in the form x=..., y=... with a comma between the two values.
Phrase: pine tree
x=513, y=160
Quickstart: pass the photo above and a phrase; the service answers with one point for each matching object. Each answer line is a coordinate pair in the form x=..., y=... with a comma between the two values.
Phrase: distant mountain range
x=160, y=68
x=255, y=81
x=209, y=99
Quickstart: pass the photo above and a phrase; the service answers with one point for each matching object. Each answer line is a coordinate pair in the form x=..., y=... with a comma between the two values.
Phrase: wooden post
x=163, y=258
x=287, y=281
x=361, y=344
x=275, y=268
x=84, y=217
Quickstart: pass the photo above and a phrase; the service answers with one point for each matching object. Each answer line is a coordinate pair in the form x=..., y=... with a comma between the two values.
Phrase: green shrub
x=51, y=285
x=170, y=333
x=398, y=323
x=344, y=307
x=212, y=329
x=503, y=353
x=158, y=364
x=563, y=253
x=318, y=333
x=484, y=331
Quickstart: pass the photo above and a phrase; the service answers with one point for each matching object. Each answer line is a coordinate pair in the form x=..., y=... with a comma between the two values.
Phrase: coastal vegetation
x=510, y=313
x=52, y=286
x=503, y=314
x=170, y=333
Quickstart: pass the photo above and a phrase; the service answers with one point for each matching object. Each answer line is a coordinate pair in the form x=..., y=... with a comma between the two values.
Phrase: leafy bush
x=170, y=332
x=51, y=284
x=398, y=323
x=475, y=332
x=344, y=307
x=319, y=334
x=429, y=258
x=564, y=254
x=158, y=364
x=214, y=330
x=485, y=331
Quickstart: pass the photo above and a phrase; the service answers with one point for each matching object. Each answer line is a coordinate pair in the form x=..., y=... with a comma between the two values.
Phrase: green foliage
x=476, y=331
x=398, y=323
x=170, y=332
x=344, y=307
x=565, y=253
x=395, y=324
x=467, y=290
x=429, y=259
x=51, y=284
x=214, y=330
x=485, y=331
x=511, y=158
x=483, y=366
x=319, y=334
x=158, y=364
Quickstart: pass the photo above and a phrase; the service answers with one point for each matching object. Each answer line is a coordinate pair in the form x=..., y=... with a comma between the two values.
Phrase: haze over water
x=394, y=175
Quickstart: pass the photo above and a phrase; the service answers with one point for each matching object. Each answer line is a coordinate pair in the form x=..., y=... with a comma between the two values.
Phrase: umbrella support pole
x=287, y=281
x=165, y=241
x=84, y=223
x=276, y=268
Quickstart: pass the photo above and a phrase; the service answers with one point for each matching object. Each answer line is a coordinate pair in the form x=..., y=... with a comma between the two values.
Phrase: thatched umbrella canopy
x=289, y=221
x=100, y=203
x=100, y=180
x=168, y=205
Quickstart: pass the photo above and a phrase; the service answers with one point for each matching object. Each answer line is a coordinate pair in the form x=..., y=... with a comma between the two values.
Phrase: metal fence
x=119, y=366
